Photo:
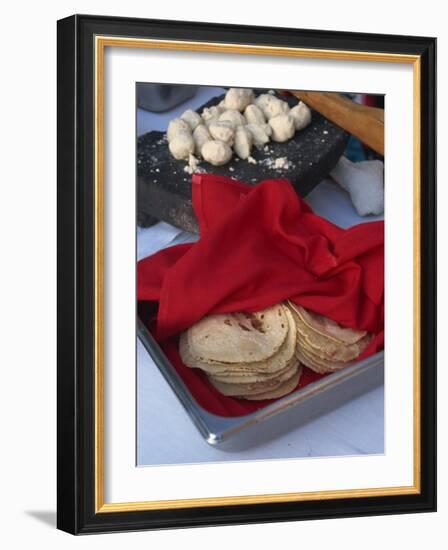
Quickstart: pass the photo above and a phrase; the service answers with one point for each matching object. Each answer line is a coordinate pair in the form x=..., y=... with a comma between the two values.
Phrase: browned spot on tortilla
x=257, y=324
x=244, y=327
x=227, y=322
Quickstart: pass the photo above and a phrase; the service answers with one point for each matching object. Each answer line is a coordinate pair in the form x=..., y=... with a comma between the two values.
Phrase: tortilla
x=327, y=327
x=246, y=377
x=250, y=388
x=317, y=364
x=282, y=390
x=327, y=347
x=273, y=364
x=238, y=337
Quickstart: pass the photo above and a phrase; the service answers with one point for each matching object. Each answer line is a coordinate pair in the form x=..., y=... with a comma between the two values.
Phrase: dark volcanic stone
x=145, y=220
x=164, y=188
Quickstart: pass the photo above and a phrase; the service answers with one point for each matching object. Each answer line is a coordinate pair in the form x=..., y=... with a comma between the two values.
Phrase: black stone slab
x=164, y=187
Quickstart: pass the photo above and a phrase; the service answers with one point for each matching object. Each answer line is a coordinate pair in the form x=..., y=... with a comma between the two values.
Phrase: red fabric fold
x=261, y=245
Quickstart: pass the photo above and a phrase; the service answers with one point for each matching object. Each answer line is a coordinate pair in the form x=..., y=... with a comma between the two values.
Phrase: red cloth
x=259, y=246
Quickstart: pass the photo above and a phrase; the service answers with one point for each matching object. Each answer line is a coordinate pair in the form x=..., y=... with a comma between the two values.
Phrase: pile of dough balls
x=240, y=121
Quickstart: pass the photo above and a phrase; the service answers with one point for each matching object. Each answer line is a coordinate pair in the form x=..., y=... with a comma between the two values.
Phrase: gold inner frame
x=101, y=42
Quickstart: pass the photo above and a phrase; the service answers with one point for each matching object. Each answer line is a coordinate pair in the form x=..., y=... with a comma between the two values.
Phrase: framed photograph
x=246, y=274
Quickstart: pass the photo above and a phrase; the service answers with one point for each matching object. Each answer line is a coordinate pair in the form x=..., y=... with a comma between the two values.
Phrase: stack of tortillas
x=322, y=344
x=260, y=355
x=246, y=355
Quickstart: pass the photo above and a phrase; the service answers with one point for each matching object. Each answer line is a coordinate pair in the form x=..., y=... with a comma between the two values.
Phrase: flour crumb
x=192, y=166
x=279, y=164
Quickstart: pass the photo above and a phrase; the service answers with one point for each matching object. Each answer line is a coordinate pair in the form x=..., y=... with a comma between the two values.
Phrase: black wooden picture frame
x=77, y=475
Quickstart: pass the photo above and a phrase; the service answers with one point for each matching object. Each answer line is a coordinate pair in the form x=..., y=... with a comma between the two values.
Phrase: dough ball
x=254, y=115
x=262, y=100
x=222, y=130
x=238, y=98
x=182, y=145
x=176, y=126
x=271, y=105
x=233, y=116
x=200, y=136
x=192, y=118
x=301, y=114
x=216, y=152
x=243, y=142
x=211, y=114
x=267, y=129
x=259, y=133
x=283, y=127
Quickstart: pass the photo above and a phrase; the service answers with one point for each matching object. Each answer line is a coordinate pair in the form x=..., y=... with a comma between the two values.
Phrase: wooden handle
x=366, y=123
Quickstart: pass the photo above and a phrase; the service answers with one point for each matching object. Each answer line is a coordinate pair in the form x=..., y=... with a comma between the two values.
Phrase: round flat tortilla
x=250, y=388
x=329, y=352
x=327, y=327
x=281, y=391
x=273, y=364
x=317, y=364
x=310, y=364
x=239, y=337
x=313, y=353
x=325, y=347
x=247, y=377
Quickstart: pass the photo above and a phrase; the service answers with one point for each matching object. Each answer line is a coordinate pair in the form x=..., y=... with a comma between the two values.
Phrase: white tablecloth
x=165, y=433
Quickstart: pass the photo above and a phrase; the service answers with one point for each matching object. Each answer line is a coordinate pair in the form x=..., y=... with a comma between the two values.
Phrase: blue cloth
x=355, y=150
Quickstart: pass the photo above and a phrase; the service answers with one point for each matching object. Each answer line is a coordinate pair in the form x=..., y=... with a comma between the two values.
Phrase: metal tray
x=307, y=403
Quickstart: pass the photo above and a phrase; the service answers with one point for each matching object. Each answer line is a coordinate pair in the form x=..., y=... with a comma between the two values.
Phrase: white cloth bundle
x=364, y=181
